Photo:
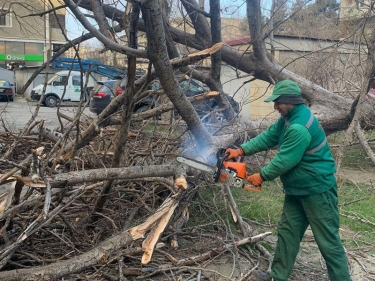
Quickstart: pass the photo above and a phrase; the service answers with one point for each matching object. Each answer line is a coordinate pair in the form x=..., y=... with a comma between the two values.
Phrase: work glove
x=234, y=153
x=255, y=179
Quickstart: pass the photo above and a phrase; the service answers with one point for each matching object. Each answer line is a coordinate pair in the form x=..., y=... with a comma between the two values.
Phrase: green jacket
x=303, y=161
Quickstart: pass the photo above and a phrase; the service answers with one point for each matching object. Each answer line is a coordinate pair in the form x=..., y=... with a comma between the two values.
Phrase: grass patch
x=264, y=207
x=357, y=211
x=354, y=156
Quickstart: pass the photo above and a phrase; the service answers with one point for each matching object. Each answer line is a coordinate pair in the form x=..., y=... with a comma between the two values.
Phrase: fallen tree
x=144, y=194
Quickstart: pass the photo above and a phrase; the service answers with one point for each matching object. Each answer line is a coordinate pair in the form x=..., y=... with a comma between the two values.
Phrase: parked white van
x=65, y=85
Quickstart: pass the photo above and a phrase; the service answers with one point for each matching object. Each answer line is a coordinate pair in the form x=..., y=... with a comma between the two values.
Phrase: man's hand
x=233, y=153
x=255, y=179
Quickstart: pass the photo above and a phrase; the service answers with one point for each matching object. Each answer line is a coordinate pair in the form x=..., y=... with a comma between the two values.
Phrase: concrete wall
x=238, y=88
x=28, y=28
x=7, y=75
x=249, y=95
x=23, y=75
x=258, y=109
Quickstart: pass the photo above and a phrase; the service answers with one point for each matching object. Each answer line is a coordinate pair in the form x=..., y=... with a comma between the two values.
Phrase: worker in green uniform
x=306, y=168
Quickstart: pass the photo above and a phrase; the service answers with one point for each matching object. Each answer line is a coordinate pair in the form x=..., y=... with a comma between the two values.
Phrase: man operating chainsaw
x=306, y=168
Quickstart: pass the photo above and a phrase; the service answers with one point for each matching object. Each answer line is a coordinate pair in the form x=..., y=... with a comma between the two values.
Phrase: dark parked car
x=104, y=92
x=203, y=108
x=206, y=107
x=6, y=91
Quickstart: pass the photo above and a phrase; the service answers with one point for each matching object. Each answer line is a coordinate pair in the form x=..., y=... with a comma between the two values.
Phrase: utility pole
x=47, y=33
x=272, y=15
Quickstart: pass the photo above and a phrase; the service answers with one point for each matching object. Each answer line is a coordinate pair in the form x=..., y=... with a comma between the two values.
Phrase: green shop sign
x=19, y=57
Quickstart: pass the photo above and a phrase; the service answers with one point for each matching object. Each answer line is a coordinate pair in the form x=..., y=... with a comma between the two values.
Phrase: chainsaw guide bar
x=196, y=164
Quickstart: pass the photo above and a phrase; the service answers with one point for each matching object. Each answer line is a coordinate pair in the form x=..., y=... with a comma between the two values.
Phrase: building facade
x=29, y=33
x=352, y=12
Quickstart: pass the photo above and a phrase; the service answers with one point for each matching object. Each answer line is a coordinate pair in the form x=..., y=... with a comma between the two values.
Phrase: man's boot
x=262, y=276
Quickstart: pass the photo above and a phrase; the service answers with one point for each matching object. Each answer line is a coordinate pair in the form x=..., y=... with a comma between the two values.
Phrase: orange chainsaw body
x=238, y=167
x=233, y=173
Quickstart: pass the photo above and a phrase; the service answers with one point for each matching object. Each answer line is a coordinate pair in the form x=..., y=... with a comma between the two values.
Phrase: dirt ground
x=357, y=176
x=310, y=265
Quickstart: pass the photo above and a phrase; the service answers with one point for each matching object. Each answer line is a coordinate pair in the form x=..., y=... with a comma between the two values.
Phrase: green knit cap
x=286, y=88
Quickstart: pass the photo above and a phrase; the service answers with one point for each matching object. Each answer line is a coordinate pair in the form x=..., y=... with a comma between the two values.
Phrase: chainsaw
x=230, y=171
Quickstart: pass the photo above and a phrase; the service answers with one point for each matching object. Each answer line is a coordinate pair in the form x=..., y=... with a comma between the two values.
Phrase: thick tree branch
x=101, y=19
x=106, y=42
x=159, y=57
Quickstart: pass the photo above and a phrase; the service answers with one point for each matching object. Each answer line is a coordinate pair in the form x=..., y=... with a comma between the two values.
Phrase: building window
x=33, y=48
x=57, y=21
x=15, y=48
x=2, y=47
x=76, y=80
x=5, y=17
x=56, y=48
x=61, y=80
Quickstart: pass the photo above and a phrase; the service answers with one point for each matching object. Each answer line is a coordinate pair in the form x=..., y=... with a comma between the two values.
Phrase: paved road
x=16, y=114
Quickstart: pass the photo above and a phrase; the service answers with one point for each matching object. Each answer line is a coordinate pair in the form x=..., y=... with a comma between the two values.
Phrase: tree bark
x=158, y=55
x=126, y=114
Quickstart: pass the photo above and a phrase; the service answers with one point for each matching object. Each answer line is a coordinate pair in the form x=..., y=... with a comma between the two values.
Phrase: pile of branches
x=151, y=224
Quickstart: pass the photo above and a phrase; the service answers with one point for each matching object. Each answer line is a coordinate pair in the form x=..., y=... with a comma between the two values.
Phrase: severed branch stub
x=157, y=223
x=150, y=241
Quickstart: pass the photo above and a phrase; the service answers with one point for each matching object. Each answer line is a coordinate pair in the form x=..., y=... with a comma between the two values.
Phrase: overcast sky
x=231, y=8
x=73, y=27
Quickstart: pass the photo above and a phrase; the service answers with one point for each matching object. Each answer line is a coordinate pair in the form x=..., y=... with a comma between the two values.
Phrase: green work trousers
x=321, y=213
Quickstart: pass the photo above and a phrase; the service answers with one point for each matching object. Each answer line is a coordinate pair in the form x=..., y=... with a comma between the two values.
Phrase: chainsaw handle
x=253, y=189
x=221, y=156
